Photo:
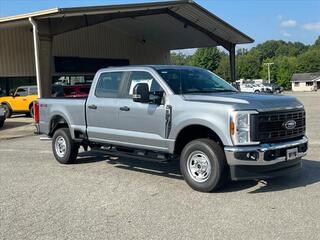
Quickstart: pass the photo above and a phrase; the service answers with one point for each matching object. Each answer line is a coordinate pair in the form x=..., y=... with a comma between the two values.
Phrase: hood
x=246, y=101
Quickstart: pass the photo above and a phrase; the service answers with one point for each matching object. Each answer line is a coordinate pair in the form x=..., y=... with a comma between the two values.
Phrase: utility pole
x=268, y=65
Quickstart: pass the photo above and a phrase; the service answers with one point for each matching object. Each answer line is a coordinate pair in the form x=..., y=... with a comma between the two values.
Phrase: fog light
x=247, y=156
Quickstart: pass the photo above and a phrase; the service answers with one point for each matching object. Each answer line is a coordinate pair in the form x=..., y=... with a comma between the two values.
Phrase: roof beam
x=67, y=24
x=226, y=44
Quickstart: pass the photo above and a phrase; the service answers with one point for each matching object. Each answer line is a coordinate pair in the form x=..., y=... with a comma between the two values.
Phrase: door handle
x=125, y=108
x=92, y=106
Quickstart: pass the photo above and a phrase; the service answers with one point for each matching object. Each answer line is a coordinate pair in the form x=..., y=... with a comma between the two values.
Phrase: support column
x=45, y=57
x=232, y=56
x=36, y=53
x=43, y=60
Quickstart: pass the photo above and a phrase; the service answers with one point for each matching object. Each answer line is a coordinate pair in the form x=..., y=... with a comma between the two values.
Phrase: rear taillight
x=36, y=111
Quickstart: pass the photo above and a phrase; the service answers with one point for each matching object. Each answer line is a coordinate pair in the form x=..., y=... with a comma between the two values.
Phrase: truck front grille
x=271, y=126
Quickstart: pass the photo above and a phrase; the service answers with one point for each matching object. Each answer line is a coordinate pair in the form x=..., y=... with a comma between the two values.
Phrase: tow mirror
x=141, y=93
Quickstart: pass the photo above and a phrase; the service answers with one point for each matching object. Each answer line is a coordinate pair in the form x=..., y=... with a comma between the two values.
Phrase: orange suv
x=21, y=101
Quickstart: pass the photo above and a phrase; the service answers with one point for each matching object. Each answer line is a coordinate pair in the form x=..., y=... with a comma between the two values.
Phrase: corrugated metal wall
x=99, y=41
x=16, y=52
x=102, y=41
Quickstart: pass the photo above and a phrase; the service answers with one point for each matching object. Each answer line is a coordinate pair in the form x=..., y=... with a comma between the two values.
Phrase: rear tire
x=256, y=91
x=203, y=165
x=64, y=148
x=1, y=123
x=31, y=111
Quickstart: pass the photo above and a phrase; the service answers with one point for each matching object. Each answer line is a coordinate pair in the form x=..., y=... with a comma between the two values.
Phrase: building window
x=296, y=84
x=309, y=84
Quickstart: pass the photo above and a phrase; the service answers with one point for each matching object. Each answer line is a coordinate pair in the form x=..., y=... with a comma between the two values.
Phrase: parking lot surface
x=103, y=198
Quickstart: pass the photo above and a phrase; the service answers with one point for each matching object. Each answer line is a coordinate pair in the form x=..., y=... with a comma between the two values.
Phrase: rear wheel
x=203, y=165
x=1, y=123
x=64, y=148
x=256, y=91
x=31, y=111
x=7, y=110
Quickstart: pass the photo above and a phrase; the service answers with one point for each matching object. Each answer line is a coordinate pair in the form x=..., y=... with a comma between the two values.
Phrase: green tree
x=180, y=59
x=223, y=69
x=309, y=61
x=207, y=58
x=286, y=66
x=248, y=66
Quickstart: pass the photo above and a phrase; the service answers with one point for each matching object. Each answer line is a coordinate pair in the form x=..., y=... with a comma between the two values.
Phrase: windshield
x=194, y=80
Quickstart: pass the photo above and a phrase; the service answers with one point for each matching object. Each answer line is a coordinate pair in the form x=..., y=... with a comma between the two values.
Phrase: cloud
x=289, y=23
x=286, y=34
x=312, y=26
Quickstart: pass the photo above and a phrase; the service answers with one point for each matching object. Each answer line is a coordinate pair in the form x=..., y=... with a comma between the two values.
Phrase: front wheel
x=203, y=165
x=64, y=148
x=7, y=110
x=256, y=91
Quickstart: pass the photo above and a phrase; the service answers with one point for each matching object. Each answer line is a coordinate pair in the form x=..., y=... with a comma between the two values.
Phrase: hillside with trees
x=288, y=58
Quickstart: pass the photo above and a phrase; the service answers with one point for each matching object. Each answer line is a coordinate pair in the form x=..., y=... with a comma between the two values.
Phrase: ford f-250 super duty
x=175, y=112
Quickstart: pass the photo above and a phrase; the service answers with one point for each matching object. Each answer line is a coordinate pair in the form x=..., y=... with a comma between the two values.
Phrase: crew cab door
x=143, y=125
x=102, y=108
x=19, y=102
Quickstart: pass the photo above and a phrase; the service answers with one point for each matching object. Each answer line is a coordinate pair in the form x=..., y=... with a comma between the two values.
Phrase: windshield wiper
x=208, y=91
x=226, y=90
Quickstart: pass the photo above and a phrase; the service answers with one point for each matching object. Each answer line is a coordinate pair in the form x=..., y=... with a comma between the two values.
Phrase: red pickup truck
x=73, y=91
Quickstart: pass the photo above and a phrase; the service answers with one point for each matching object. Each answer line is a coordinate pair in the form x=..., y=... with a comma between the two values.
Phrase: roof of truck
x=156, y=67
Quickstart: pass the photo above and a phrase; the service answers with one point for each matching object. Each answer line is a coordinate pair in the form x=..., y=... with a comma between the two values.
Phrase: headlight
x=240, y=127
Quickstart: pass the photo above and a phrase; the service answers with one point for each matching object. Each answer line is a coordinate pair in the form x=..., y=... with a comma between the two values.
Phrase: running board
x=45, y=138
x=137, y=154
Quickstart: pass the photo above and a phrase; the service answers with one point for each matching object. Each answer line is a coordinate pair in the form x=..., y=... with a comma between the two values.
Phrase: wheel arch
x=57, y=121
x=192, y=132
x=7, y=103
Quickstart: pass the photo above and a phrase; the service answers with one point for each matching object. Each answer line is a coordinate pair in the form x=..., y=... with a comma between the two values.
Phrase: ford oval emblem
x=290, y=124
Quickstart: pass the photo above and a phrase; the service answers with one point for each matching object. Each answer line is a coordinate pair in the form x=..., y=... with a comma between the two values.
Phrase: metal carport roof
x=179, y=24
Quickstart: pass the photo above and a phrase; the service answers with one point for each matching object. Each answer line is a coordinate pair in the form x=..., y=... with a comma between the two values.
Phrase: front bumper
x=268, y=160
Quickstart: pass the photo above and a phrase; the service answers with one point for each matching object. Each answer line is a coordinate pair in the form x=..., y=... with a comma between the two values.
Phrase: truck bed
x=72, y=109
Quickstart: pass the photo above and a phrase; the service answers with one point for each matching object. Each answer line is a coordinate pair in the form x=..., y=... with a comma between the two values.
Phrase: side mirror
x=141, y=93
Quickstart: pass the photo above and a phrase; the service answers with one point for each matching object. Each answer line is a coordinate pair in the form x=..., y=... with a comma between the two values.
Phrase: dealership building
x=71, y=44
x=305, y=82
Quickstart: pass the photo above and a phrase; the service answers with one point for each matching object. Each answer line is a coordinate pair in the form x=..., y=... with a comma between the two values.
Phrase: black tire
x=31, y=112
x=256, y=91
x=71, y=147
x=1, y=123
x=7, y=110
x=218, y=163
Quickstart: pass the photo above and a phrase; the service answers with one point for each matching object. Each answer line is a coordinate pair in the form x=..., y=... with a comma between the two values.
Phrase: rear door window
x=22, y=92
x=109, y=84
x=33, y=91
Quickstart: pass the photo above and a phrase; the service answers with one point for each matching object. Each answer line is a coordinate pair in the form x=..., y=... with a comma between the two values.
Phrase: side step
x=137, y=154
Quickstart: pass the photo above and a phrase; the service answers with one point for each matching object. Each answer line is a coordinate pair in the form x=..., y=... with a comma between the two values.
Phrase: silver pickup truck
x=181, y=113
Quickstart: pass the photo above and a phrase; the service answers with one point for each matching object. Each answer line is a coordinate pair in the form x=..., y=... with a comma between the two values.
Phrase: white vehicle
x=249, y=87
x=266, y=88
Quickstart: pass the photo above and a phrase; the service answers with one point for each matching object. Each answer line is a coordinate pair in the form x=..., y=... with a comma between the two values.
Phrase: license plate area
x=292, y=154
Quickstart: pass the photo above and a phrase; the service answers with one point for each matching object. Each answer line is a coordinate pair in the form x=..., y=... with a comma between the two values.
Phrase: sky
x=288, y=20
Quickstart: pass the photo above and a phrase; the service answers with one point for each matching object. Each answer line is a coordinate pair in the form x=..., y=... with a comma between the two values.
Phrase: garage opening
x=70, y=44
